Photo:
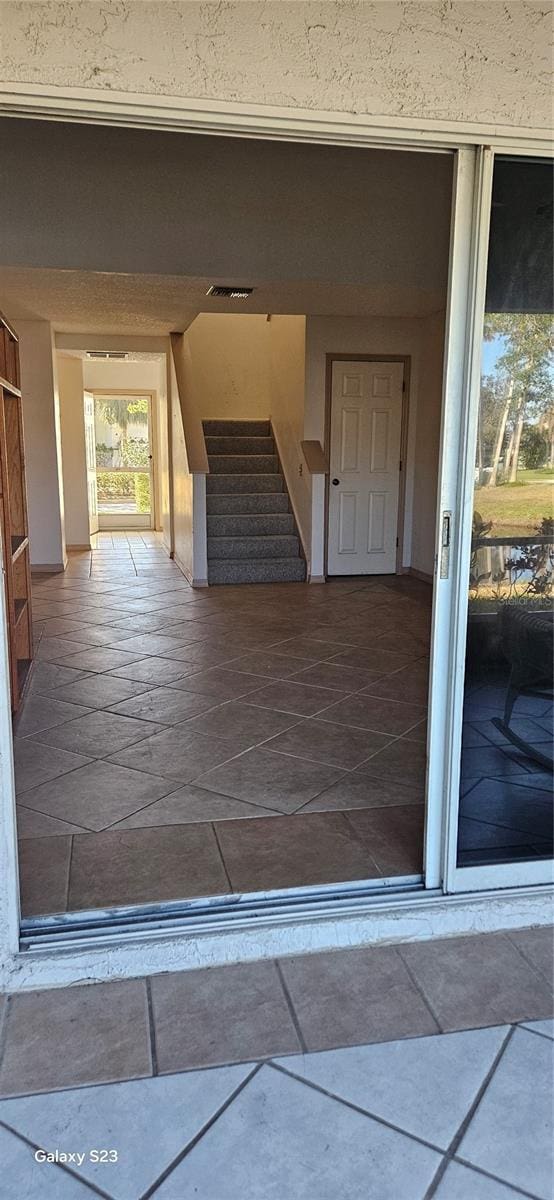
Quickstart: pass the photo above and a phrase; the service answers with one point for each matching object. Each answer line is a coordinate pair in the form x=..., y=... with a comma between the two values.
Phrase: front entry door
x=90, y=450
x=366, y=427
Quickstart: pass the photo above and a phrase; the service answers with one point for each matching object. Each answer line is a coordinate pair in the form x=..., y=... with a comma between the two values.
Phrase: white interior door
x=90, y=448
x=366, y=428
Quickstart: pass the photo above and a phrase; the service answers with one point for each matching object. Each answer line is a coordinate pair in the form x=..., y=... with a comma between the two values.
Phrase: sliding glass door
x=498, y=828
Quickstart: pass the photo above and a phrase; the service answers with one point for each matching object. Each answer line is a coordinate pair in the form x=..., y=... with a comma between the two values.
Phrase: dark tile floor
x=161, y=720
x=506, y=796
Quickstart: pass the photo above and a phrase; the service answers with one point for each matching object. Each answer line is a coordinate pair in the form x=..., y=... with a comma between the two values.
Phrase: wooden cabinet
x=13, y=516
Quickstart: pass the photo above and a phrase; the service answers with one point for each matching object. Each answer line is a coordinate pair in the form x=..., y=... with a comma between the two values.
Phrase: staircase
x=252, y=534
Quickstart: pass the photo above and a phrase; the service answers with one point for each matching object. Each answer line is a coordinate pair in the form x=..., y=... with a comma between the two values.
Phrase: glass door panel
x=505, y=817
x=123, y=461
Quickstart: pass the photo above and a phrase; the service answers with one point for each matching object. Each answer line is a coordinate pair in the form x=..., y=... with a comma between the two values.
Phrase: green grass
x=520, y=505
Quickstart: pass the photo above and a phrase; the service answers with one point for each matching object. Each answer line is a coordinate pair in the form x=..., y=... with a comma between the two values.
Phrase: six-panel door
x=366, y=427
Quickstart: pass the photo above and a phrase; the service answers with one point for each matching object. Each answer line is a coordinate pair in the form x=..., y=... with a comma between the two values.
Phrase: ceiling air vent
x=120, y=354
x=231, y=293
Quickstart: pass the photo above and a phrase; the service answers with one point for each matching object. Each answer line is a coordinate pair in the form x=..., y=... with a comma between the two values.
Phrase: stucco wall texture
x=455, y=60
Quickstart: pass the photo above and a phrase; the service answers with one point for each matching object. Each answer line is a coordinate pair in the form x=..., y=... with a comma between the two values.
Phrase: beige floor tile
x=176, y=753
x=275, y=781
x=225, y=1015
x=299, y=698
x=70, y=1037
x=475, y=981
x=353, y=996
x=296, y=851
x=359, y=791
x=142, y=866
x=98, y=795
x=383, y=716
x=321, y=741
x=393, y=836
x=243, y=725
x=43, y=874
x=192, y=804
x=36, y=763
x=98, y=734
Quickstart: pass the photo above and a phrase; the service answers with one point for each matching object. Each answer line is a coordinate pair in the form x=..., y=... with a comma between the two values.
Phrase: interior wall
x=42, y=436
x=235, y=210
x=420, y=339
x=287, y=363
x=74, y=461
x=182, y=480
x=230, y=361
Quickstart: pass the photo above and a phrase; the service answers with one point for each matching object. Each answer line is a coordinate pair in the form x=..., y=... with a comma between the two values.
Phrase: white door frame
x=152, y=428
x=427, y=914
x=456, y=495
x=342, y=356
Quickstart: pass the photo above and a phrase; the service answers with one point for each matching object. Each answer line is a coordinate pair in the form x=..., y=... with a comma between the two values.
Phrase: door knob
x=335, y=482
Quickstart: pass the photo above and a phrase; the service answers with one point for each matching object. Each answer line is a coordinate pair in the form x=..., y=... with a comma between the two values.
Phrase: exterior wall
x=39, y=386
x=287, y=355
x=230, y=363
x=394, y=336
x=74, y=462
x=465, y=60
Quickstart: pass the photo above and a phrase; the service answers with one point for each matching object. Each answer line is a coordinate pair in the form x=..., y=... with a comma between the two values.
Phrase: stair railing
x=318, y=468
x=193, y=562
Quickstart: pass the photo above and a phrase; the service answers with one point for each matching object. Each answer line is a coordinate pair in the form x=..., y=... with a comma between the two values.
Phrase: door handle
x=335, y=482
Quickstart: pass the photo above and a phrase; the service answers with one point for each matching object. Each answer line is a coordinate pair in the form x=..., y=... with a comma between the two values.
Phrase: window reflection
x=506, y=788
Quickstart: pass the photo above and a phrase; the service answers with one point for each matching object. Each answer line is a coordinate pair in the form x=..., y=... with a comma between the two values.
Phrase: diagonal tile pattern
x=154, y=706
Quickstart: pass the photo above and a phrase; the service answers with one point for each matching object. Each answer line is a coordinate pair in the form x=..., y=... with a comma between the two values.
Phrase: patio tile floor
x=315, y=1077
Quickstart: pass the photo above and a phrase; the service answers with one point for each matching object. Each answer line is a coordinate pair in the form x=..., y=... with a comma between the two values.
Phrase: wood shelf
x=9, y=387
x=20, y=609
x=13, y=515
x=19, y=544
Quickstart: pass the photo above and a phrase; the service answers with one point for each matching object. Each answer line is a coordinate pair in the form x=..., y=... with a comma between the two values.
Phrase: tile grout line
x=200, y=1134
x=464, y=1162
x=221, y=855
x=537, y=1032
x=151, y=1026
x=350, y=1104
x=419, y=988
x=4, y=1027
x=536, y=970
x=471, y=1112
x=293, y=1014
x=67, y=1170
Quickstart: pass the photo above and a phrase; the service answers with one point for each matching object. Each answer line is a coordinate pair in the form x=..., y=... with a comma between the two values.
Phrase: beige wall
x=287, y=338
x=74, y=462
x=465, y=60
x=419, y=339
x=41, y=427
x=230, y=366
x=182, y=483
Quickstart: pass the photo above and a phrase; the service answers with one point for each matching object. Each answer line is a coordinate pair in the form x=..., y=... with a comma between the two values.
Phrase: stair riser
x=243, y=464
x=253, y=547
x=236, y=428
x=244, y=484
x=261, y=502
x=286, y=570
x=240, y=445
x=259, y=525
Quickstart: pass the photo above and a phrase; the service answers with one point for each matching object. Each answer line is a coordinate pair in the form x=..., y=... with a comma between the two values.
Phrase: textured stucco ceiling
x=154, y=305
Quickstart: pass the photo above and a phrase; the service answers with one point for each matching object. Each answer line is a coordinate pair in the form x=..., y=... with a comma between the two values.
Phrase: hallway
x=161, y=719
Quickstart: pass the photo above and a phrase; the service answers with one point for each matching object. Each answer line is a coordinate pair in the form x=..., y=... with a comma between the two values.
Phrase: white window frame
x=343, y=921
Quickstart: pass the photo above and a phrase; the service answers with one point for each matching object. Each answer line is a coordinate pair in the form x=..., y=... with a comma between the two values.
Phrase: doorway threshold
x=213, y=912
